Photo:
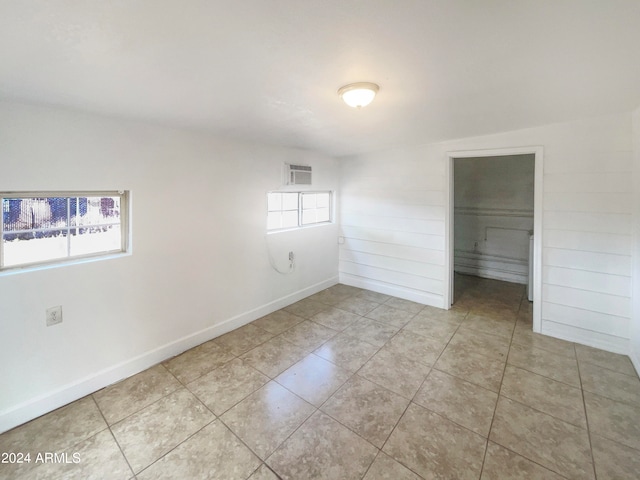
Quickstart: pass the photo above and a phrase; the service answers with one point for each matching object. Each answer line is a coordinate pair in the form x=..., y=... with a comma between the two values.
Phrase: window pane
x=308, y=200
x=290, y=219
x=274, y=220
x=274, y=201
x=322, y=215
x=290, y=201
x=96, y=210
x=322, y=200
x=33, y=213
x=34, y=247
x=85, y=241
x=308, y=217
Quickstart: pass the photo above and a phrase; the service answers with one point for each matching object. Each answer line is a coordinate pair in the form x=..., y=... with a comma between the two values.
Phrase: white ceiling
x=268, y=70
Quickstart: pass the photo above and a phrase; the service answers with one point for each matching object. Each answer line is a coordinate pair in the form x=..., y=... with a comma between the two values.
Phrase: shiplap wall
x=392, y=221
x=587, y=237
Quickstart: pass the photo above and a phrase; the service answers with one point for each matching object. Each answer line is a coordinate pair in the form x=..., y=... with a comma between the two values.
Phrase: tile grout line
x=584, y=405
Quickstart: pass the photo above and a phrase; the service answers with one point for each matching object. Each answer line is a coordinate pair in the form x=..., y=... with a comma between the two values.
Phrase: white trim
x=538, y=152
x=635, y=359
x=42, y=404
x=602, y=341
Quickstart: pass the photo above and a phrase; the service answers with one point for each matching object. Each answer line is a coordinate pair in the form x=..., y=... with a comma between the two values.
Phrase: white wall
x=186, y=281
x=493, y=198
x=393, y=220
x=635, y=327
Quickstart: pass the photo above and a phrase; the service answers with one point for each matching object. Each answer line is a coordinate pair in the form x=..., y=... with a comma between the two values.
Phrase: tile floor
x=352, y=384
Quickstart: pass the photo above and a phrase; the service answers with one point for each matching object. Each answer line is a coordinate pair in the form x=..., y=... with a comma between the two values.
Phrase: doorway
x=494, y=233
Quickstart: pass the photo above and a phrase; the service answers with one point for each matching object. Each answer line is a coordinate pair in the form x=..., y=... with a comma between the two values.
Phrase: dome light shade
x=359, y=94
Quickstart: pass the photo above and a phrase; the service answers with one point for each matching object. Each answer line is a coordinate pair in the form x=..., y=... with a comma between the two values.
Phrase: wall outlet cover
x=54, y=315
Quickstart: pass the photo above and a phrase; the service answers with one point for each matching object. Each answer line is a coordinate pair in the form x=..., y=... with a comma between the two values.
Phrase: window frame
x=300, y=209
x=124, y=224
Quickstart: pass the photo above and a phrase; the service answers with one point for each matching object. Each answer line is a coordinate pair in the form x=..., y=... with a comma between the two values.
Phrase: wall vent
x=297, y=174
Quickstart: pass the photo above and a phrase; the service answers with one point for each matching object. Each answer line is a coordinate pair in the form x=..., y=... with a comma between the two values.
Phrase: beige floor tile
x=435, y=447
x=346, y=351
x=366, y=408
x=462, y=402
x=395, y=372
x=373, y=296
x=53, y=432
x=613, y=420
x=128, y=396
x=614, y=460
x=222, y=388
x=499, y=326
x=610, y=384
x=451, y=316
x=329, y=296
x=197, y=361
x=425, y=350
x=308, y=335
x=554, y=444
x=306, y=308
x=472, y=367
x=543, y=362
x=322, y=449
x=146, y=435
x=274, y=356
x=502, y=464
x=335, y=318
x=278, y=321
x=341, y=288
x=407, y=305
x=612, y=361
x=523, y=335
x=432, y=328
x=545, y=394
x=390, y=315
x=243, y=339
x=491, y=346
x=213, y=452
x=357, y=305
x=313, y=378
x=386, y=468
x=267, y=417
x=95, y=457
x=263, y=473
x=372, y=332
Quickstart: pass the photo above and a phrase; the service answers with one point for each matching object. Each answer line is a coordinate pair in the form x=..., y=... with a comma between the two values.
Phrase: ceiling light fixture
x=359, y=94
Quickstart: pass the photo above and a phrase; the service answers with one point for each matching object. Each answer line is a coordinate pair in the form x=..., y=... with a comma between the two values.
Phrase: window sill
x=62, y=263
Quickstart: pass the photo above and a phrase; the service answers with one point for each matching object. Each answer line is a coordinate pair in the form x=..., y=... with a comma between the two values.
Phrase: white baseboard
x=48, y=402
x=394, y=290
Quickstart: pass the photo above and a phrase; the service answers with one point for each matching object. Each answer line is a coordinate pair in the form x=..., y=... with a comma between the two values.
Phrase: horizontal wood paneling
x=588, y=182
x=589, y=222
x=586, y=319
x=591, y=281
x=591, y=161
x=592, y=202
x=588, y=300
x=411, y=267
x=435, y=242
x=404, y=252
x=588, y=242
x=415, y=282
x=387, y=288
x=587, y=261
x=409, y=225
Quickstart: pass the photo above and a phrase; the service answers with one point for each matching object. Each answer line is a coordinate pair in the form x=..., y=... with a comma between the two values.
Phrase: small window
x=297, y=209
x=51, y=227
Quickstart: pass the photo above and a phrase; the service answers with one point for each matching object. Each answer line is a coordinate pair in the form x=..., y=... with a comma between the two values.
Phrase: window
x=42, y=228
x=297, y=209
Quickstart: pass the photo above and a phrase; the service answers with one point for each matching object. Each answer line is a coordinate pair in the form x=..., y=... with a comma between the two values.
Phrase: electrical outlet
x=54, y=315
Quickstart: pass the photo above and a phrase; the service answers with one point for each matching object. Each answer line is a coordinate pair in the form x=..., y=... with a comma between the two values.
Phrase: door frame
x=538, y=153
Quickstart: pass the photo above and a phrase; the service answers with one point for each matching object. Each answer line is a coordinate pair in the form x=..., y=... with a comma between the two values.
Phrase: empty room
x=262, y=240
